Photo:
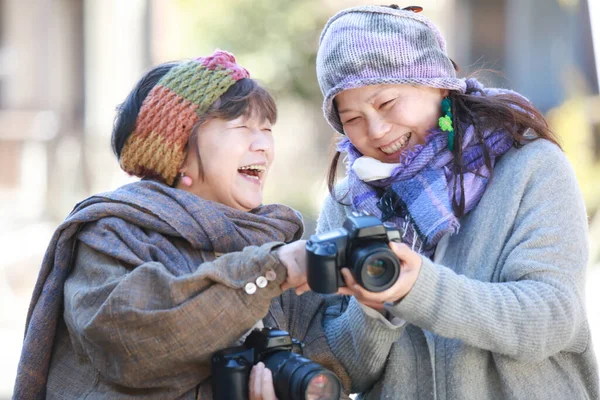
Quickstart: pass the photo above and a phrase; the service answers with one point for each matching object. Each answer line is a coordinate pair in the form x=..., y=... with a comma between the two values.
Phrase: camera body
x=360, y=245
x=294, y=376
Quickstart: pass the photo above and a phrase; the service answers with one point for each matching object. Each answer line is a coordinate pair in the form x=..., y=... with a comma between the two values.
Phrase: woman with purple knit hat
x=489, y=303
x=142, y=285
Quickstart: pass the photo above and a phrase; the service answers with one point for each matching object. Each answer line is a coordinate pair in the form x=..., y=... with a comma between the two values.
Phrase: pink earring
x=185, y=180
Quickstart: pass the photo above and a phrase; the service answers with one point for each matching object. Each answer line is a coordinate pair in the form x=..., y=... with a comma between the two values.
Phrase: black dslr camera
x=294, y=377
x=361, y=246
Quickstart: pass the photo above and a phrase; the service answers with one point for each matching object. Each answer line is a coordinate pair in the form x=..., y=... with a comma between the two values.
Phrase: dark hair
x=127, y=112
x=245, y=97
x=485, y=113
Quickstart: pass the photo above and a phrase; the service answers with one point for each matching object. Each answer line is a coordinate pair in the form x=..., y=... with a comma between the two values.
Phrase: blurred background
x=66, y=64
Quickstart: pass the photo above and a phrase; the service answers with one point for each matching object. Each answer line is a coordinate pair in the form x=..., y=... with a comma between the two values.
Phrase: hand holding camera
x=293, y=376
x=364, y=259
x=410, y=268
x=293, y=257
x=261, y=383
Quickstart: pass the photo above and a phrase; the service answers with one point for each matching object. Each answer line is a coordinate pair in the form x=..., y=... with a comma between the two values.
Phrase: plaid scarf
x=417, y=197
x=137, y=223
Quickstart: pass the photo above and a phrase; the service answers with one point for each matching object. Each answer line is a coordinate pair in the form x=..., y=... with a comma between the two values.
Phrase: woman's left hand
x=410, y=266
x=293, y=257
x=261, y=383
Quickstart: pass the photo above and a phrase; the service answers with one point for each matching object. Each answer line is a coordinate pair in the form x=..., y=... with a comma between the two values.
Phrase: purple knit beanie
x=373, y=45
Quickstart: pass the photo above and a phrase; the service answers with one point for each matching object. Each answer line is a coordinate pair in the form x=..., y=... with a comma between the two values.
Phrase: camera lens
x=322, y=386
x=375, y=266
x=298, y=378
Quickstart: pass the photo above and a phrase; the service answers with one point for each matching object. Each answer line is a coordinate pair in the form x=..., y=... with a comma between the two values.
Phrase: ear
x=185, y=165
x=190, y=156
x=445, y=93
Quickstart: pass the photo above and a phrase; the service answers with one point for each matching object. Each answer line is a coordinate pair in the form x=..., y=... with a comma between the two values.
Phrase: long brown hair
x=485, y=113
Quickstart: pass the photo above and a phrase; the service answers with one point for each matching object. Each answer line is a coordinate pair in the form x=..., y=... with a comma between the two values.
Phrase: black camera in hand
x=294, y=376
x=361, y=245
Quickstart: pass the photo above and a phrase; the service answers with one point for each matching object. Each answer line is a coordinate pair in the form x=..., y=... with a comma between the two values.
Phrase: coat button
x=270, y=275
x=250, y=288
x=261, y=282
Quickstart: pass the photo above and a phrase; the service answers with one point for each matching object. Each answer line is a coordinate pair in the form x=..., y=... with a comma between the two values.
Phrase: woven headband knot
x=225, y=60
x=156, y=147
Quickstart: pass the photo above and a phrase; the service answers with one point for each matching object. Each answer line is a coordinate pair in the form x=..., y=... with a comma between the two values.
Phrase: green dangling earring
x=445, y=122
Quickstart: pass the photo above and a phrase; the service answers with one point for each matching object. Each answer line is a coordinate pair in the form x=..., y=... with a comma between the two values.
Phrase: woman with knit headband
x=140, y=286
x=490, y=299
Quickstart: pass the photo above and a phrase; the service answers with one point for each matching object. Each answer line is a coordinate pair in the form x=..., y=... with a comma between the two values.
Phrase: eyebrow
x=369, y=99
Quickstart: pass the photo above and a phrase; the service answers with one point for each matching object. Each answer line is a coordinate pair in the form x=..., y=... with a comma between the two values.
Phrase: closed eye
x=387, y=103
x=351, y=120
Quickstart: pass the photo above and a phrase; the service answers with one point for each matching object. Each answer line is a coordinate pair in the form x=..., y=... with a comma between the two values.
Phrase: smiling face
x=382, y=121
x=232, y=161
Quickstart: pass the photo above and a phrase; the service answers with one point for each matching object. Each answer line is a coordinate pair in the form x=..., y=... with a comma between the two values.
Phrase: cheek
x=422, y=117
x=215, y=164
x=218, y=153
x=271, y=151
x=358, y=138
x=415, y=115
x=357, y=133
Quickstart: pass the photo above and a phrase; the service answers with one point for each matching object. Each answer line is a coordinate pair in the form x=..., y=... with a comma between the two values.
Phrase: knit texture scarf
x=137, y=223
x=417, y=195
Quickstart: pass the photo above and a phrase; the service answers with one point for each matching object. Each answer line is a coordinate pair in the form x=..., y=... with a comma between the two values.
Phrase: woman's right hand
x=410, y=262
x=261, y=383
x=293, y=257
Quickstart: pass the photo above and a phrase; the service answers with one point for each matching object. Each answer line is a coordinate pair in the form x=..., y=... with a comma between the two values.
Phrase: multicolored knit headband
x=156, y=148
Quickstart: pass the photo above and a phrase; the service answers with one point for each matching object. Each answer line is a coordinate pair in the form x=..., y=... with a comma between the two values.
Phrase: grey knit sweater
x=499, y=313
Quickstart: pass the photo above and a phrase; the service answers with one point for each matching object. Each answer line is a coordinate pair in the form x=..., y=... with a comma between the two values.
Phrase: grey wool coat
x=500, y=311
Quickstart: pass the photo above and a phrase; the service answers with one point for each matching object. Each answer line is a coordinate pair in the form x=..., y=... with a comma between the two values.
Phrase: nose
x=378, y=127
x=262, y=141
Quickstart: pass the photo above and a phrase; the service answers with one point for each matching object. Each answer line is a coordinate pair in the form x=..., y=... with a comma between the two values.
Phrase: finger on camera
x=355, y=290
x=349, y=279
x=268, y=389
x=255, y=383
x=404, y=253
x=361, y=293
x=400, y=249
x=352, y=288
x=252, y=376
